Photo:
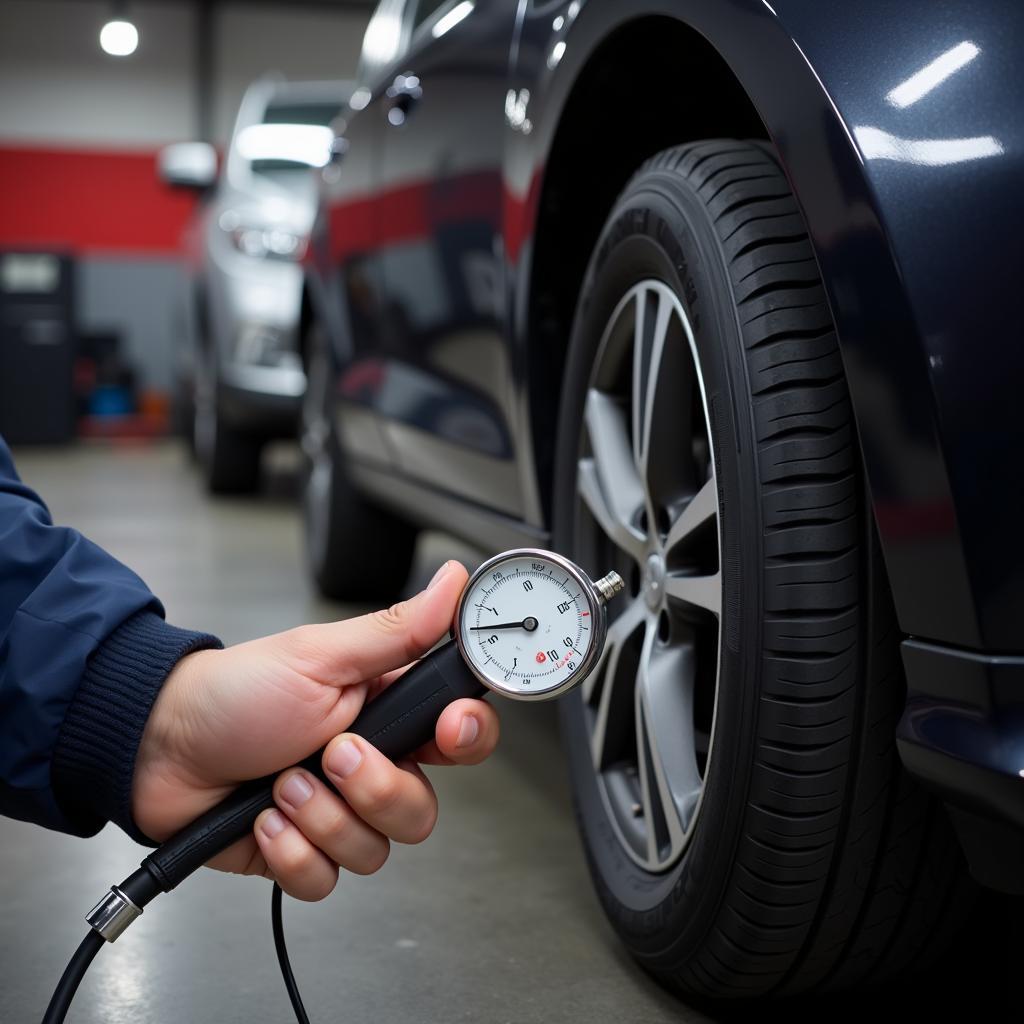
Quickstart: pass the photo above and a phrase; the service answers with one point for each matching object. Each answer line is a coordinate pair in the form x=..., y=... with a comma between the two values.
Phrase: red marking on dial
x=541, y=657
x=586, y=613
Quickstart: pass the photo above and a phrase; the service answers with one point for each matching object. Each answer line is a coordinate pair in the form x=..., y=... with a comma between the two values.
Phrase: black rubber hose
x=72, y=978
x=282, y=957
x=140, y=887
x=397, y=722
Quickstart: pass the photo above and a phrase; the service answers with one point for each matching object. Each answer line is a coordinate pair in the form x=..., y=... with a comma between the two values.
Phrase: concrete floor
x=492, y=919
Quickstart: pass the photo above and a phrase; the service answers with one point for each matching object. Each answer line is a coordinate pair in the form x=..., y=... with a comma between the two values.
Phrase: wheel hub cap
x=654, y=581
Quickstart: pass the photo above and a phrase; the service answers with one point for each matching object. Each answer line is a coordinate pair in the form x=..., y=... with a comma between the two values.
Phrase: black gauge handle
x=399, y=721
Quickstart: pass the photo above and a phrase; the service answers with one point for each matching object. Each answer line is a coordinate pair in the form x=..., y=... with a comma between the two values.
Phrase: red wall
x=89, y=201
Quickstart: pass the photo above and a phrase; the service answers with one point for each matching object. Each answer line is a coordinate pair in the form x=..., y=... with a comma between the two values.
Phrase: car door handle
x=402, y=95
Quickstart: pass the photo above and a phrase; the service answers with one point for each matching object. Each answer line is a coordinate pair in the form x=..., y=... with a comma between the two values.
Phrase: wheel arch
x=765, y=85
x=638, y=52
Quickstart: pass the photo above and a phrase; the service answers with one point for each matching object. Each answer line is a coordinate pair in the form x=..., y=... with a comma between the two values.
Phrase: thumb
x=360, y=649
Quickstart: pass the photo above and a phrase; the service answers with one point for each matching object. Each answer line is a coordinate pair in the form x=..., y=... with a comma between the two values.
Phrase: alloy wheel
x=648, y=506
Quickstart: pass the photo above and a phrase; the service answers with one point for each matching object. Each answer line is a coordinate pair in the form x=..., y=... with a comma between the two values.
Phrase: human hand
x=223, y=717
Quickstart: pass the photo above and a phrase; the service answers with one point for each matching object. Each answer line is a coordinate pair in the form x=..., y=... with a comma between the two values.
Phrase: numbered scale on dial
x=531, y=623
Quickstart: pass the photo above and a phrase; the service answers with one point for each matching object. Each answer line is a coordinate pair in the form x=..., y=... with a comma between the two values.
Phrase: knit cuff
x=94, y=760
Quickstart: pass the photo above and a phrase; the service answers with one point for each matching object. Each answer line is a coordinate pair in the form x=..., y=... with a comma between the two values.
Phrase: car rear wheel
x=747, y=822
x=229, y=459
x=355, y=550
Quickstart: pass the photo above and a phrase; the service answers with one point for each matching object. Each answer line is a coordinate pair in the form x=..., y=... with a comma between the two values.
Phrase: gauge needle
x=529, y=624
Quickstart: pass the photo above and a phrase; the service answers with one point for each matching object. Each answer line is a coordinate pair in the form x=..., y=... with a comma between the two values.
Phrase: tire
x=183, y=417
x=802, y=857
x=229, y=460
x=355, y=551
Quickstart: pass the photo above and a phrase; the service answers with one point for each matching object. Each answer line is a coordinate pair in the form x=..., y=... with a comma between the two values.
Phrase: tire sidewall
x=324, y=514
x=363, y=552
x=660, y=229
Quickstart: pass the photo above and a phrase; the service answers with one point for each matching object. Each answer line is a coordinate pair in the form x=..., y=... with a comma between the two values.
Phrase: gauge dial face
x=528, y=624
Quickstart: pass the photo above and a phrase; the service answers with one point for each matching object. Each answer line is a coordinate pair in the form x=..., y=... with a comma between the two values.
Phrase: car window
x=302, y=113
x=292, y=136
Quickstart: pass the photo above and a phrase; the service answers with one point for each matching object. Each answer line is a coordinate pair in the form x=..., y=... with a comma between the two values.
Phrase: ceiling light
x=119, y=38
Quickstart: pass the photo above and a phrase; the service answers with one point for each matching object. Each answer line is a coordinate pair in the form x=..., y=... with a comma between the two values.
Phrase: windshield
x=292, y=137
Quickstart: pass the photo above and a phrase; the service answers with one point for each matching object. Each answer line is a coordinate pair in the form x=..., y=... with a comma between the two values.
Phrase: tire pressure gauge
x=531, y=624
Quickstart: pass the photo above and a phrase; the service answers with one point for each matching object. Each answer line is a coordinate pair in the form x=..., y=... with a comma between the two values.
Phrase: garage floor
x=491, y=920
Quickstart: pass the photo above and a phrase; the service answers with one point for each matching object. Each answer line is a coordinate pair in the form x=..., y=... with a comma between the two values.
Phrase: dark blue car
x=717, y=293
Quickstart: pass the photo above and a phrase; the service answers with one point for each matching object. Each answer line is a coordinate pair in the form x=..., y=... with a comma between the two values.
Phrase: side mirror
x=339, y=147
x=188, y=165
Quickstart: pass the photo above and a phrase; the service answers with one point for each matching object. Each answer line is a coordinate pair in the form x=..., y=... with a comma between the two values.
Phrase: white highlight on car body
x=383, y=37
x=119, y=38
x=448, y=21
x=932, y=74
x=516, y=104
x=876, y=144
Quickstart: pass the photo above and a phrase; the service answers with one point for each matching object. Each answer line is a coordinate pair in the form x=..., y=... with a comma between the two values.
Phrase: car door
x=346, y=241
x=447, y=401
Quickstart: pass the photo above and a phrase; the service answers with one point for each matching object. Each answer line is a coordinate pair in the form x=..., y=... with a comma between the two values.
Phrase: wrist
x=162, y=766
x=94, y=760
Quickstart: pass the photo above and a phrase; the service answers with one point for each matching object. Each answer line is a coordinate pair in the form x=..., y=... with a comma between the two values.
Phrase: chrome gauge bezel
x=598, y=616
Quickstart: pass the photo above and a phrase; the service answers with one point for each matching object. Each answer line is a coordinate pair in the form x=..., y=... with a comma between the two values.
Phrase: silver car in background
x=243, y=379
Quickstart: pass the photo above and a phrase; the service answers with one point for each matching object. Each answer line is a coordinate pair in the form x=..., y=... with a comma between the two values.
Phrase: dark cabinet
x=37, y=348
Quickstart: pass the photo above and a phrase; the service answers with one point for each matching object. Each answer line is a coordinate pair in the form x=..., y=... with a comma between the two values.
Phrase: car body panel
x=442, y=273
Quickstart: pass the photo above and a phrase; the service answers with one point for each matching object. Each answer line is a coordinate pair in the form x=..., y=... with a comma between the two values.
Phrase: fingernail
x=344, y=759
x=273, y=824
x=468, y=731
x=439, y=575
x=296, y=791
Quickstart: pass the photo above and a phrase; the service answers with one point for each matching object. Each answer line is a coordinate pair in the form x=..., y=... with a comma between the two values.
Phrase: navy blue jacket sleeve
x=83, y=653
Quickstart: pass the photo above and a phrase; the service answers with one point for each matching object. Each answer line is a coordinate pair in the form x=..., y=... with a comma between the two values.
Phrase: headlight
x=262, y=242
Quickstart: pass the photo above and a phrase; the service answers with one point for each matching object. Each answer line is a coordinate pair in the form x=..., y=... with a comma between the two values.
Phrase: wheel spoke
x=664, y=705
x=608, y=673
x=649, y=339
x=653, y=818
x=700, y=591
x=641, y=378
x=702, y=507
x=608, y=482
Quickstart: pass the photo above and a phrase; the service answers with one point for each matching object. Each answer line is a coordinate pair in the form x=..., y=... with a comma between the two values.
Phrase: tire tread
x=845, y=869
